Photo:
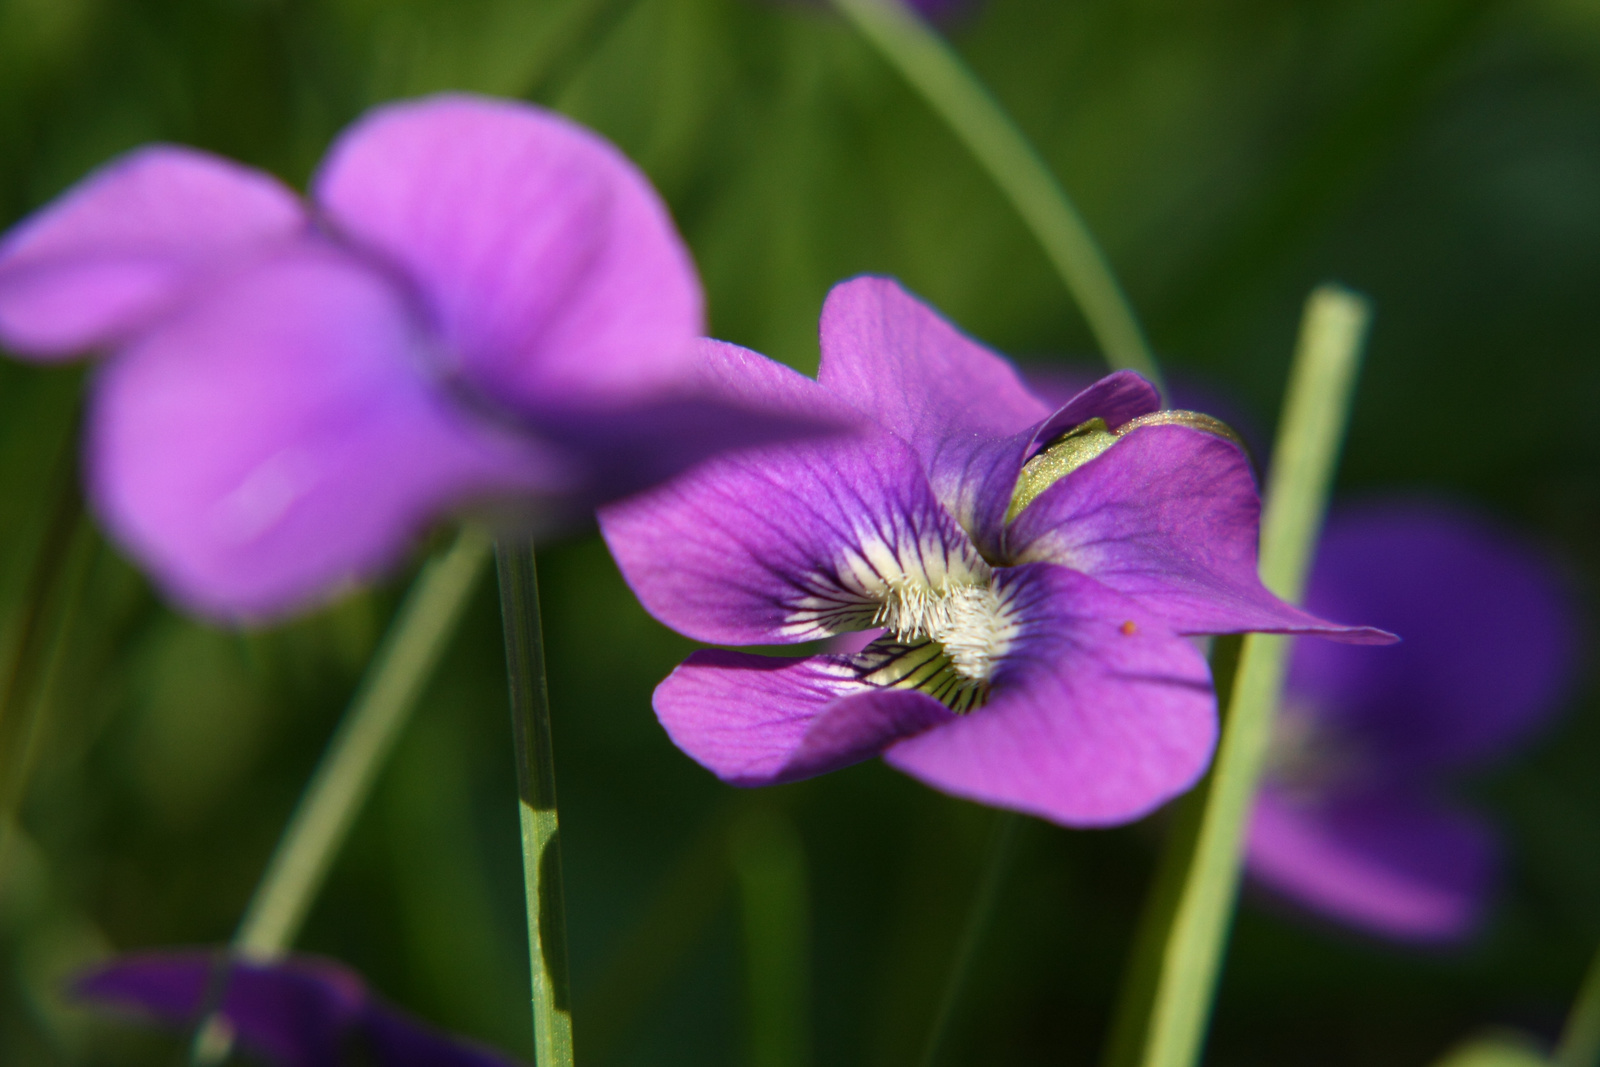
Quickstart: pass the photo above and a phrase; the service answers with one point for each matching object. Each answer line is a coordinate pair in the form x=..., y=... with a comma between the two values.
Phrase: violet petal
x=298, y=1012
x=279, y=439
x=124, y=243
x=732, y=399
x=547, y=263
x=1491, y=635
x=1090, y=720
x=294, y=1014
x=788, y=543
x=1169, y=516
x=1116, y=398
x=1392, y=861
x=962, y=407
x=760, y=720
x=396, y=1040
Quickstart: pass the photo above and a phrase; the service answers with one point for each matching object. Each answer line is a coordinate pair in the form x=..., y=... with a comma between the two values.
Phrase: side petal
x=1097, y=713
x=1492, y=635
x=1170, y=517
x=761, y=720
x=278, y=440
x=547, y=263
x=1391, y=862
x=789, y=542
x=122, y=245
x=963, y=408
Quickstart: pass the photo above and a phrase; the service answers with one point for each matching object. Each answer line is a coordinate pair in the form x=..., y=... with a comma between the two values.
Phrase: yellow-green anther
x=1089, y=439
x=1195, y=420
x=1057, y=460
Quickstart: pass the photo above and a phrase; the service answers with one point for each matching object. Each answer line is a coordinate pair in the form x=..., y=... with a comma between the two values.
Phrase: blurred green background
x=1442, y=156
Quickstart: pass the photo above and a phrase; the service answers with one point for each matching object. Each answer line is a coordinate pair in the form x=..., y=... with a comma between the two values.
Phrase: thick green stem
x=363, y=741
x=1316, y=411
x=934, y=69
x=1002, y=844
x=536, y=782
x=1580, y=1038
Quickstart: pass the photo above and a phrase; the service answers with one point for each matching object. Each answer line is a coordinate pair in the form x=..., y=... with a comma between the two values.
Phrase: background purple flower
x=938, y=11
x=1036, y=662
x=1352, y=820
x=303, y=1011
x=483, y=304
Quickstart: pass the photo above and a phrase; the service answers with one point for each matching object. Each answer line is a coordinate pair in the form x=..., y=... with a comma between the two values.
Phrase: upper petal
x=1392, y=861
x=962, y=407
x=1491, y=634
x=1169, y=516
x=1117, y=398
x=760, y=720
x=278, y=439
x=1097, y=713
x=787, y=542
x=546, y=262
x=123, y=244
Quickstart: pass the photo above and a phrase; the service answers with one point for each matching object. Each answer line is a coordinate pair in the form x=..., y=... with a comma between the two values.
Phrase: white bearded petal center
x=969, y=622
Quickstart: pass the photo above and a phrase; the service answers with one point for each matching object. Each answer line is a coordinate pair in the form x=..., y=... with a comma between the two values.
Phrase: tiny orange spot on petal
x=1129, y=629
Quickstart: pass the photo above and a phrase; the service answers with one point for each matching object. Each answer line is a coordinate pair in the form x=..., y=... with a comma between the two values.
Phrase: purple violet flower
x=1035, y=570
x=303, y=1011
x=1351, y=821
x=483, y=304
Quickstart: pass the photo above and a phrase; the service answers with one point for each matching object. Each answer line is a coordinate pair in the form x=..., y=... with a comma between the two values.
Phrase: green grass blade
x=536, y=782
x=934, y=69
x=358, y=749
x=1316, y=411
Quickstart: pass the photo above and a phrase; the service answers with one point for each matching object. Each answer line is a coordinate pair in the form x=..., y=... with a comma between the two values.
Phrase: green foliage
x=1440, y=156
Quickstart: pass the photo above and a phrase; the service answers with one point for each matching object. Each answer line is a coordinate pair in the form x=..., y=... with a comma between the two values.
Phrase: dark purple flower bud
x=483, y=304
x=300, y=1012
x=1034, y=652
x=1353, y=821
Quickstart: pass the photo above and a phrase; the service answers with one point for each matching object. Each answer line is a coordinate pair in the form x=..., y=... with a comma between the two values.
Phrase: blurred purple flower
x=937, y=10
x=1033, y=657
x=483, y=304
x=301, y=1012
x=1351, y=820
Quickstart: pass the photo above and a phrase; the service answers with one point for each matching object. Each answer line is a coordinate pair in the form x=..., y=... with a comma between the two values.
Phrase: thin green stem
x=1002, y=843
x=365, y=737
x=536, y=782
x=1580, y=1038
x=19, y=676
x=36, y=698
x=1316, y=411
x=934, y=69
